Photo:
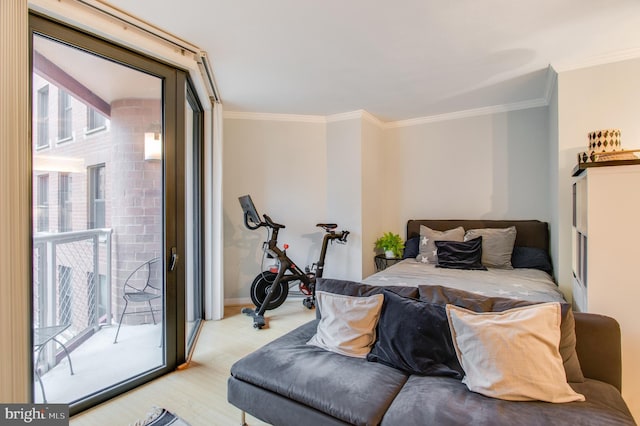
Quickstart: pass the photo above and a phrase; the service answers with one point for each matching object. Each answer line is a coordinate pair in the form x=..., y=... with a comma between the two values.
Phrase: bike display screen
x=249, y=209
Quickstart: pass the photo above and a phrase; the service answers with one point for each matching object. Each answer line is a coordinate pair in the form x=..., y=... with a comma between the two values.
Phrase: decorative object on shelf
x=598, y=157
x=391, y=244
x=607, y=140
x=605, y=149
x=605, y=145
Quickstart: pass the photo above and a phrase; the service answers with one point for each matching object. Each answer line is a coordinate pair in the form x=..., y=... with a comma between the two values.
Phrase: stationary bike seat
x=327, y=226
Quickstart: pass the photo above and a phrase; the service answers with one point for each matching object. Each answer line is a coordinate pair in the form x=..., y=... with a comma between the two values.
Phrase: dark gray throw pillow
x=478, y=303
x=414, y=336
x=460, y=255
x=411, y=248
x=531, y=257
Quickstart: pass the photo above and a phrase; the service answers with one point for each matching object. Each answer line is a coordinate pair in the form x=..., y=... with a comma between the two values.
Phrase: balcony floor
x=99, y=363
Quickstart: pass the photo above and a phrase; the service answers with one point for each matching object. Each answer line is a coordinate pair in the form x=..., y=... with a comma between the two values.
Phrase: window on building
x=65, y=294
x=97, y=298
x=42, y=138
x=64, y=116
x=96, y=197
x=95, y=120
x=43, y=203
x=64, y=202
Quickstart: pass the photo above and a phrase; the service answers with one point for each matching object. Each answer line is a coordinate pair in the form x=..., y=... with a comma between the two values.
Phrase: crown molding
x=365, y=115
x=358, y=114
x=344, y=116
x=622, y=55
x=494, y=109
x=552, y=77
x=265, y=116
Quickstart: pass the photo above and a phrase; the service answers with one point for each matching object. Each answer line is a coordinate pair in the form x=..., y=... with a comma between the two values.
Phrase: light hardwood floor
x=198, y=394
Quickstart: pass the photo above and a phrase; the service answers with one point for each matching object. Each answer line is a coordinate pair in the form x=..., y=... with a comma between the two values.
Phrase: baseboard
x=236, y=301
x=246, y=301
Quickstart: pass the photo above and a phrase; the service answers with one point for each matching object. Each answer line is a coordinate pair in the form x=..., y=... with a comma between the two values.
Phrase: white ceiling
x=396, y=59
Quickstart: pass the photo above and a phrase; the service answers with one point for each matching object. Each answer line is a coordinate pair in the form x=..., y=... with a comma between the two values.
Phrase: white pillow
x=512, y=355
x=348, y=323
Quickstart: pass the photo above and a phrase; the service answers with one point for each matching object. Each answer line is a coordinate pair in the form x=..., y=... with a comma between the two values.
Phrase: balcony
x=73, y=290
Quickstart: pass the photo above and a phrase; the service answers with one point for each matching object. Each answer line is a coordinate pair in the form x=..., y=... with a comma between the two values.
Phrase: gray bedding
x=522, y=283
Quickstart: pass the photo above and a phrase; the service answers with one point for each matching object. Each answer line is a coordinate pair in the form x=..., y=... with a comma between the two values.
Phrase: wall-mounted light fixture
x=153, y=143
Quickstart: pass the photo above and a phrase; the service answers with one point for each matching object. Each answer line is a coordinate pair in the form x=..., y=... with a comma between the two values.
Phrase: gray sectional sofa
x=288, y=382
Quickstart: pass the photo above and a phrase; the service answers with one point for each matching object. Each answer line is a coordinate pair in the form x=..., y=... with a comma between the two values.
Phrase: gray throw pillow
x=497, y=245
x=479, y=303
x=428, y=238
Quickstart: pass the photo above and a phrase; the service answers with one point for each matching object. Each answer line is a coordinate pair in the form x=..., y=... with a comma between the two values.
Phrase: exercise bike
x=271, y=288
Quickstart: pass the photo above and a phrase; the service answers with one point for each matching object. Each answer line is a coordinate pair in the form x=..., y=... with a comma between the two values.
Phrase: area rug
x=160, y=417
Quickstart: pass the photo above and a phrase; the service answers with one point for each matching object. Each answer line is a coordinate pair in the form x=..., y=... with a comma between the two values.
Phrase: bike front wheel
x=261, y=286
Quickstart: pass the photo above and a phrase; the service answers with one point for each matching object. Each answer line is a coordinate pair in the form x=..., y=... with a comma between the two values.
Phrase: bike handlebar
x=270, y=223
x=328, y=227
x=267, y=222
x=252, y=227
x=341, y=237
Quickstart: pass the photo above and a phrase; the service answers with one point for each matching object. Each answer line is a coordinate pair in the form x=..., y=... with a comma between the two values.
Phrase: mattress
x=519, y=283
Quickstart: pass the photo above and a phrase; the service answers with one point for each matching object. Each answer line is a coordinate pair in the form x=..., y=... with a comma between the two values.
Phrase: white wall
x=554, y=230
x=371, y=180
x=493, y=166
x=344, y=201
x=379, y=192
x=602, y=97
x=283, y=166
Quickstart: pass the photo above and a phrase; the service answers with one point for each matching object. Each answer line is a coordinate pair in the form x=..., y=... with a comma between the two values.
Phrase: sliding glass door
x=108, y=217
x=194, y=308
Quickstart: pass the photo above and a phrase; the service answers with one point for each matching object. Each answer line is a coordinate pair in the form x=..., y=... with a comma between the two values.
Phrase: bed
x=534, y=282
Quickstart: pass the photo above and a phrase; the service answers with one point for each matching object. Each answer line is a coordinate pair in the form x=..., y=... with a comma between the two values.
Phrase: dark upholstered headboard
x=529, y=233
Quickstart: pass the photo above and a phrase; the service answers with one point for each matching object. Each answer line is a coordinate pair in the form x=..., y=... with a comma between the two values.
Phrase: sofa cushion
x=414, y=336
x=350, y=389
x=479, y=303
x=513, y=354
x=348, y=326
x=429, y=400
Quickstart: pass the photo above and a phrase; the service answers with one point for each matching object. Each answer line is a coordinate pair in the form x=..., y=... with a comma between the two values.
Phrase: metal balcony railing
x=71, y=285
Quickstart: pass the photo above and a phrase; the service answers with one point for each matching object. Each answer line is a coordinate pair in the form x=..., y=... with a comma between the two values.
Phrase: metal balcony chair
x=138, y=288
x=42, y=336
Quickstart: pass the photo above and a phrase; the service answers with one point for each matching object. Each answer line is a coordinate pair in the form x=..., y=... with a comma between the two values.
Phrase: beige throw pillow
x=427, y=247
x=497, y=245
x=512, y=355
x=348, y=323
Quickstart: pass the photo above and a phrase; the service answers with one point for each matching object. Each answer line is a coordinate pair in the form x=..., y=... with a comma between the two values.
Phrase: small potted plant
x=391, y=244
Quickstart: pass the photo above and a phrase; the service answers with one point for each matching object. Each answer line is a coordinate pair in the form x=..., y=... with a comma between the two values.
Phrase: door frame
x=174, y=81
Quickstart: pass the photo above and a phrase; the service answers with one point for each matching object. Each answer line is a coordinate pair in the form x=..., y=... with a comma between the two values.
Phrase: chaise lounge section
x=288, y=382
